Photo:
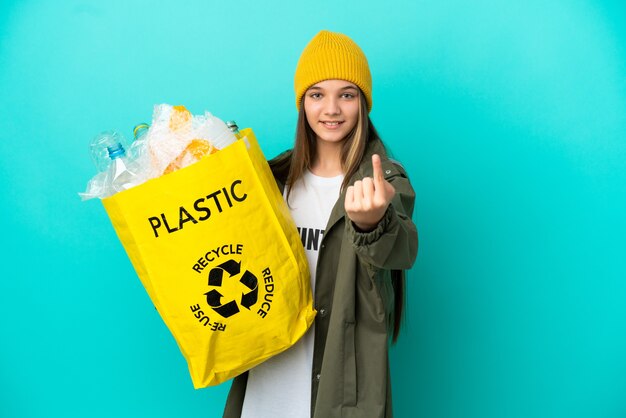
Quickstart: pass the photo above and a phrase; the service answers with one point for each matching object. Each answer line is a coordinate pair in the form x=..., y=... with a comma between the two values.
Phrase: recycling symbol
x=214, y=297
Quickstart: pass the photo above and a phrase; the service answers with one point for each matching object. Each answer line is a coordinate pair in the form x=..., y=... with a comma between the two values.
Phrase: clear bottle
x=140, y=130
x=218, y=133
x=98, y=148
x=138, y=148
x=116, y=171
x=122, y=173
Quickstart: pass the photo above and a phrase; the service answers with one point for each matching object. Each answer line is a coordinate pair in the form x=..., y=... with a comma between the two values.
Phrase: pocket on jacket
x=350, y=389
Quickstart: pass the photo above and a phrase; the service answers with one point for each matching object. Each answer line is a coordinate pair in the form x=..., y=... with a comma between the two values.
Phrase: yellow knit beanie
x=331, y=55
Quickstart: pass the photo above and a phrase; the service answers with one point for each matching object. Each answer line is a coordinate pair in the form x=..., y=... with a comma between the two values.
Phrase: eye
x=315, y=95
x=348, y=95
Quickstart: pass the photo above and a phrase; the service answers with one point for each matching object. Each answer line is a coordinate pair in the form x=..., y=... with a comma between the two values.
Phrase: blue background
x=510, y=118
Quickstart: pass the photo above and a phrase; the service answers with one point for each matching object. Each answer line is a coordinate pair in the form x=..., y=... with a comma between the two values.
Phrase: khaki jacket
x=355, y=304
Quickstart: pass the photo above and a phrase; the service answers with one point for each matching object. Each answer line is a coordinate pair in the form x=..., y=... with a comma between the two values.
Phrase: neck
x=327, y=161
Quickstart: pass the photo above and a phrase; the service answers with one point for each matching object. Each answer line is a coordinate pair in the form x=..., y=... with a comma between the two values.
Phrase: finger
x=368, y=188
x=378, y=170
x=358, y=191
x=349, y=196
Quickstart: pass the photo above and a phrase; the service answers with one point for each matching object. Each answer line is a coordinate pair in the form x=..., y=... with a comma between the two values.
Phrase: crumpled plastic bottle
x=174, y=140
x=122, y=173
x=116, y=172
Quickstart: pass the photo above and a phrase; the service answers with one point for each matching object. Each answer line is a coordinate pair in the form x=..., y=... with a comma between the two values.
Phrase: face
x=332, y=109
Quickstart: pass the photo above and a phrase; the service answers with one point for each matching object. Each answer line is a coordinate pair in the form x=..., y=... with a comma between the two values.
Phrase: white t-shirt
x=281, y=386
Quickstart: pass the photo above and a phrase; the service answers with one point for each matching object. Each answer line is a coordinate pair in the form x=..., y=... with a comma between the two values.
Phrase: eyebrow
x=343, y=88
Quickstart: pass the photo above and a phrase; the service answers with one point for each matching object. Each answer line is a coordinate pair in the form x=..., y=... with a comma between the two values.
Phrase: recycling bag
x=217, y=251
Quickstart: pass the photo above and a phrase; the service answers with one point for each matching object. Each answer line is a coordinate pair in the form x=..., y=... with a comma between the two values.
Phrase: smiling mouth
x=331, y=124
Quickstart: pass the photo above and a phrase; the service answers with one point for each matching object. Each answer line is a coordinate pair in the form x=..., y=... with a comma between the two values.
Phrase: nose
x=332, y=106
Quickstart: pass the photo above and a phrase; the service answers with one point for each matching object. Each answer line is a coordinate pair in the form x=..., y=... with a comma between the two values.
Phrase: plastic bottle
x=140, y=130
x=98, y=148
x=219, y=134
x=116, y=172
x=122, y=173
x=138, y=148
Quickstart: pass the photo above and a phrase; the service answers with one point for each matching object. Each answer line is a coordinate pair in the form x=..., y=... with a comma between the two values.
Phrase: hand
x=367, y=200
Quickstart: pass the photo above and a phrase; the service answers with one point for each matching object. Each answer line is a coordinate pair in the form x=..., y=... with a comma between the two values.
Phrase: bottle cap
x=116, y=150
x=99, y=148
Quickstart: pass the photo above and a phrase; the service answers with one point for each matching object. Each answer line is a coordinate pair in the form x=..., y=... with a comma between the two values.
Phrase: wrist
x=362, y=227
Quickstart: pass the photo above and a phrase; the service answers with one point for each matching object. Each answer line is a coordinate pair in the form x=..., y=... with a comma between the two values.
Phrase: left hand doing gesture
x=367, y=200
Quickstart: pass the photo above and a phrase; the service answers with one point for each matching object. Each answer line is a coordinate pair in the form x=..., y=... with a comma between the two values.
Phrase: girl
x=353, y=210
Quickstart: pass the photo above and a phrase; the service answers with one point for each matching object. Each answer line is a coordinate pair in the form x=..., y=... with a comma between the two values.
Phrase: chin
x=334, y=140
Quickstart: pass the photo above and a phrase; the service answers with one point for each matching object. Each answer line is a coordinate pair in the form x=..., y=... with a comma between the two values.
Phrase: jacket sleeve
x=392, y=245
